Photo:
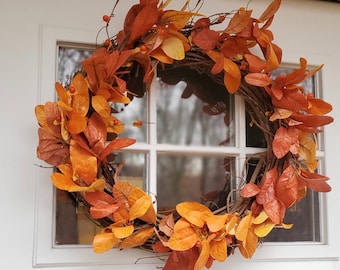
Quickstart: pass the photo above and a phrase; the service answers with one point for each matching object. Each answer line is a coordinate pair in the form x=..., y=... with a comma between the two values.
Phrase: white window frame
x=47, y=254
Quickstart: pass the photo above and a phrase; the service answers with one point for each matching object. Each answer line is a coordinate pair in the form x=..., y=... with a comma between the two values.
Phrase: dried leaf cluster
x=73, y=132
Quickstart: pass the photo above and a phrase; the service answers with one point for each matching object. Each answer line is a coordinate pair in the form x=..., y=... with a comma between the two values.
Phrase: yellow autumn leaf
x=243, y=227
x=262, y=217
x=280, y=113
x=174, y=48
x=101, y=106
x=218, y=250
x=178, y=18
x=138, y=238
x=183, y=239
x=103, y=242
x=230, y=227
x=140, y=207
x=194, y=212
x=307, y=151
x=122, y=231
x=263, y=229
x=216, y=223
x=150, y=215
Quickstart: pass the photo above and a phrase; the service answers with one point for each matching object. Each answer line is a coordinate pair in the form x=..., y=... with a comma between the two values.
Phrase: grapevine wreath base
x=74, y=130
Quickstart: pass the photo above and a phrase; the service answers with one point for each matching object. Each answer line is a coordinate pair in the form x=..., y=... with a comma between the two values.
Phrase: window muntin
x=171, y=149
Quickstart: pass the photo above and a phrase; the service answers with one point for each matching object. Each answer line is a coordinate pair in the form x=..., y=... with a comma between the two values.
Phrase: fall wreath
x=74, y=131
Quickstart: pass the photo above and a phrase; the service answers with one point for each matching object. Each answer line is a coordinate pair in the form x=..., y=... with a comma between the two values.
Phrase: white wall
x=303, y=28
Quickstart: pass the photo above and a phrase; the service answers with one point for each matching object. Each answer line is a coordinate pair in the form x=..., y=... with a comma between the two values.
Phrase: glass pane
x=189, y=120
x=205, y=179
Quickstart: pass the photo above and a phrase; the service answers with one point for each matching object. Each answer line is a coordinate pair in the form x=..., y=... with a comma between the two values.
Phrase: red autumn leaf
x=250, y=190
x=52, y=150
x=258, y=79
x=318, y=106
x=291, y=100
x=275, y=211
x=268, y=182
x=102, y=211
x=256, y=64
x=98, y=198
x=158, y=247
x=182, y=260
x=206, y=39
x=312, y=120
x=239, y=21
x=285, y=140
x=314, y=181
x=144, y=20
x=116, y=145
x=96, y=133
x=287, y=187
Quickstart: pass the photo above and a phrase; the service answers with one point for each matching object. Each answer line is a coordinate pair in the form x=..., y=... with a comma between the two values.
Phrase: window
x=198, y=150
x=47, y=252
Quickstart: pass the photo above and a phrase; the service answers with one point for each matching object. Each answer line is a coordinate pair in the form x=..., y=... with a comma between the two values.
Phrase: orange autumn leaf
x=138, y=238
x=248, y=247
x=183, y=239
x=140, y=207
x=204, y=255
x=307, y=151
x=255, y=64
x=101, y=106
x=243, y=227
x=258, y=79
x=270, y=10
x=121, y=231
x=218, y=249
x=178, y=19
x=83, y=162
x=250, y=190
x=216, y=223
x=103, y=242
x=81, y=99
x=280, y=114
x=194, y=212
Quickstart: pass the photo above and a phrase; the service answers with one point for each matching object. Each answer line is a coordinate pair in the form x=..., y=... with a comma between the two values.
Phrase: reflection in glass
x=185, y=121
x=204, y=179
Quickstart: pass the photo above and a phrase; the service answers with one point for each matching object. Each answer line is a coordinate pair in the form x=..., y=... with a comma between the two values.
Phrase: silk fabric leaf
x=183, y=239
x=103, y=242
x=138, y=238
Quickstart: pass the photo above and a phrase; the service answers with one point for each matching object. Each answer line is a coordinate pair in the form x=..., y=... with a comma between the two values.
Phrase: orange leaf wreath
x=74, y=130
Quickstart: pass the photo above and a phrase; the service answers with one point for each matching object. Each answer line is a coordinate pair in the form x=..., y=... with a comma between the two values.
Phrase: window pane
x=189, y=120
x=204, y=179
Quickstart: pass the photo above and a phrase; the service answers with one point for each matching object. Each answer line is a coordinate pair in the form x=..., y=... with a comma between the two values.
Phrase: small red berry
x=72, y=90
x=163, y=32
x=58, y=118
x=106, y=18
x=107, y=42
x=221, y=18
x=143, y=48
x=115, y=122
